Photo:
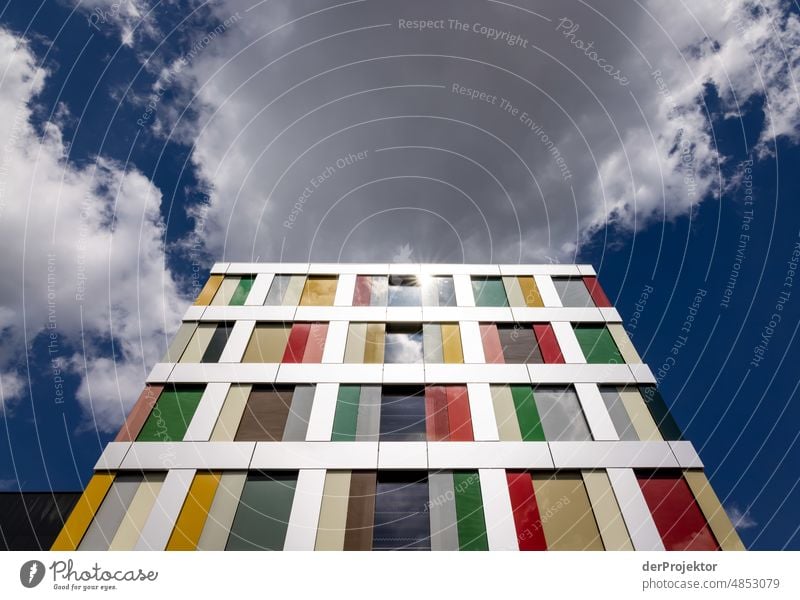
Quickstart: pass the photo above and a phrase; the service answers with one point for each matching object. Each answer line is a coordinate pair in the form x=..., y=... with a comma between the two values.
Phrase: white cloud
x=741, y=519
x=83, y=258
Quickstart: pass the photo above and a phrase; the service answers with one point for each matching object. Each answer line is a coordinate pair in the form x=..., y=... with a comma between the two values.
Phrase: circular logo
x=31, y=573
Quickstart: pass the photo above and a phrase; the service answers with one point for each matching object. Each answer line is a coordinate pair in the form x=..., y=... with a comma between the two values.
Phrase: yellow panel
x=451, y=343
x=716, y=516
x=198, y=343
x=505, y=414
x=225, y=291
x=640, y=416
x=567, y=517
x=373, y=350
x=132, y=524
x=529, y=291
x=83, y=513
x=210, y=288
x=194, y=513
x=267, y=344
x=356, y=342
x=623, y=342
x=319, y=291
x=333, y=512
x=231, y=414
x=606, y=511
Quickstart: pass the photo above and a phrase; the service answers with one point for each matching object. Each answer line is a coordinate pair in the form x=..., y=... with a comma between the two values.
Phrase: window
x=456, y=511
x=403, y=344
x=597, y=344
x=620, y=417
x=276, y=413
x=567, y=518
x=404, y=290
x=438, y=291
x=561, y=414
x=538, y=414
x=233, y=291
x=171, y=414
x=403, y=414
x=447, y=413
x=277, y=342
x=319, y=290
x=489, y=291
x=518, y=343
x=660, y=413
x=365, y=343
x=263, y=513
x=206, y=343
x=572, y=292
x=285, y=290
x=402, y=520
x=347, y=511
x=371, y=290
x=357, y=415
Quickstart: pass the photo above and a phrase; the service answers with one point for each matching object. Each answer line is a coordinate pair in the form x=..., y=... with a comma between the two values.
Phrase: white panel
x=686, y=455
x=610, y=315
x=158, y=527
x=462, y=284
x=224, y=372
x=489, y=373
x=620, y=454
x=335, y=342
x=490, y=455
x=393, y=373
x=194, y=313
x=616, y=374
x=349, y=268
x=638, y=519
x=259, y=290
x=188, y=455
x=404, y=269
x=471, y=342
x=341, y=313
x=403, y=314
x=160, y=372
x=345, y=289
x=237, y=342
x=329, y=373
x=402, y=455
x=250, y=313
x=556, y=269
x=547, y=290
x=219, y=268
x=596, y=413
x=112, y=456
x=260, y=267
x=301, y=532
x=581, y=314
x=315, y=455
x=568, y=342
x=586, y=270
x=207, y=413
x=500, y=529
x=642, y=374
x=323, y=409
x=459, y=269
x=484, y=423
x=468, y=313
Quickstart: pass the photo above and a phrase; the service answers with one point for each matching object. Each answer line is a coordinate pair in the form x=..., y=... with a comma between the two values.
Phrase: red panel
x=676, y=514
x=530, y=534
x=548, y=345
x=458, y=413
x=316, y=343
x=297, y=343
x=596, y=292
x=492, y=348
x=363, y=290
x=436, y=423
x=137, y=417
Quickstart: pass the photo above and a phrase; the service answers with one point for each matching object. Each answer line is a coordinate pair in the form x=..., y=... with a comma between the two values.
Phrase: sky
x=143, y=140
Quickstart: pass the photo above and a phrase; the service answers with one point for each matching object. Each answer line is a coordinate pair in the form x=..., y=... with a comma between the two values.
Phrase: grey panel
x=369, y=414
x=299, y=413
x=618, y=413
x=277, y=290
x=442, y=507
x=432, y=343
x=561, y=415
x=379, y=295
x=179, y=342
x=573, y=292
x=110, y=514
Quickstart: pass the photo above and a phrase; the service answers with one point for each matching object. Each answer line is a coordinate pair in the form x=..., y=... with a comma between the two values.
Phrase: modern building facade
x=400, y=406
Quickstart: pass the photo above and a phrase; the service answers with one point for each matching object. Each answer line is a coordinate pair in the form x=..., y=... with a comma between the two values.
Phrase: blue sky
x=146, y=141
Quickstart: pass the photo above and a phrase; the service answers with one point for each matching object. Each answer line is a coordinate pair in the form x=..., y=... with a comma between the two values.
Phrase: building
x=388, y=406
x=32, y=520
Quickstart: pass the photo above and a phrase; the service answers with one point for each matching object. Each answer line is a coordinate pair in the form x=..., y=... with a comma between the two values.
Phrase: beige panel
x=223, y=509
x=294, y=290
x=231, y=414
x=333, y=513
x=514, y=292
x=319, y=291
x=356, y=342
x=376, y=336
x=208, y=291
x=624, y=343
x=505, y=414
x=179, y=342
x=267, y=344
x=198, y=344
x=567, y=517
x=640, y=416
x=225, y=291
x=606, y=511
x=716, y=516
x=132, y=524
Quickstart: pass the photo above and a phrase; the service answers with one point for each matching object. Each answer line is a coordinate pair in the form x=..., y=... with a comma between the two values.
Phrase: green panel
x=171, y=414
x=658, y=409
x=597, y=344
x=345, y=420
x=242, y=290
x=263, y=514
x=530, y=425
x=469, y=511
x=489, y=291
